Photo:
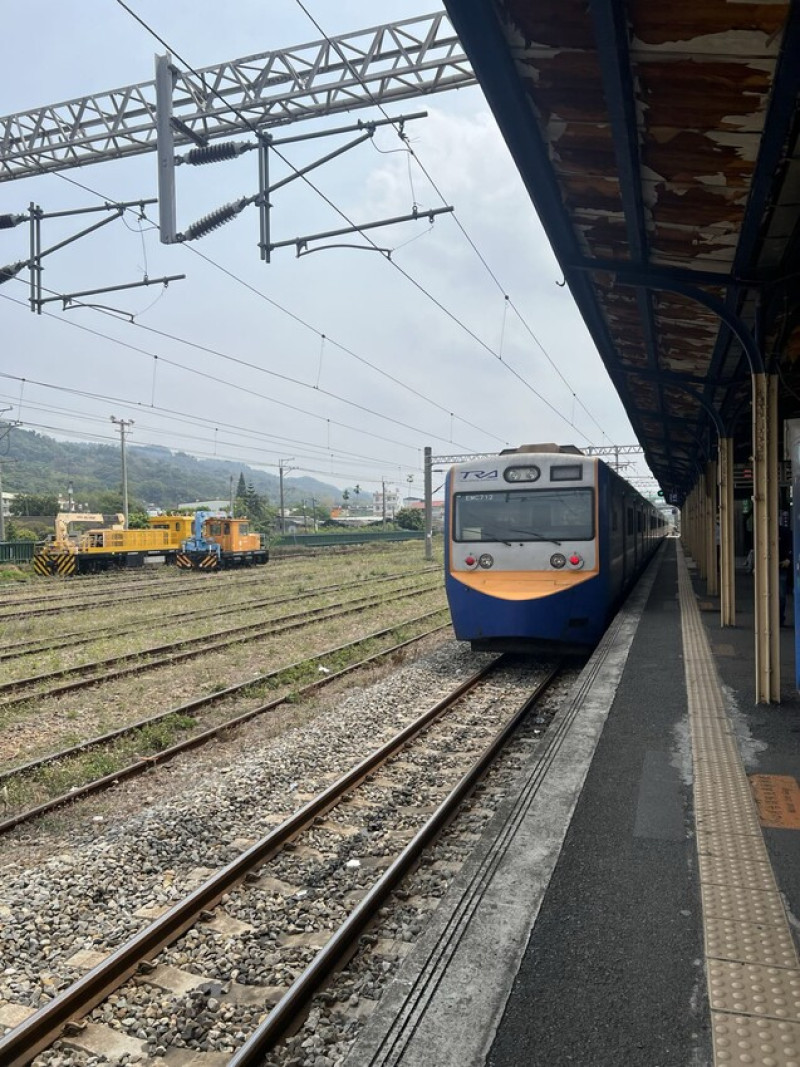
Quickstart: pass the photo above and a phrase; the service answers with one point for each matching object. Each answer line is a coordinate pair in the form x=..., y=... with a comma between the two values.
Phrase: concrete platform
x=628, y=907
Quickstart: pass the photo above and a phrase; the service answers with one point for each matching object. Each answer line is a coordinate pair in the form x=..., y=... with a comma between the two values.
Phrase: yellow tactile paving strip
x=751, y=962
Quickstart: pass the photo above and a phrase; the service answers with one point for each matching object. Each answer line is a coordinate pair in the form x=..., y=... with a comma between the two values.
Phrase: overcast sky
x=469, y=371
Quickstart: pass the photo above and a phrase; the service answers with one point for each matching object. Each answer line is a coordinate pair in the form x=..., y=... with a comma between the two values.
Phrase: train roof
x=549, y=447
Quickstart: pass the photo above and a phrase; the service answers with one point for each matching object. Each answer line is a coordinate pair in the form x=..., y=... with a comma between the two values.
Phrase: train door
x=630, y=539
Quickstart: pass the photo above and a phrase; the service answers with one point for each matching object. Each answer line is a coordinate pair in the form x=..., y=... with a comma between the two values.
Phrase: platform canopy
x=659, y=144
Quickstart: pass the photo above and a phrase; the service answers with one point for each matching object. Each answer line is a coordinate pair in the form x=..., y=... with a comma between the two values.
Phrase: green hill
x=38, y=465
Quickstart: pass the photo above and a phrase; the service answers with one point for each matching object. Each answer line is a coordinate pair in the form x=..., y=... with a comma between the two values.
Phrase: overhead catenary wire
x=197, y=346
x=421, y=288
x=413, y=155
x=106, y=439
x=316, y=453
x=225, y=382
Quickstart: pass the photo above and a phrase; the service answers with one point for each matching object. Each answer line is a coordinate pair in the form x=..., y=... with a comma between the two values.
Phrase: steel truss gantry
x=400, y=61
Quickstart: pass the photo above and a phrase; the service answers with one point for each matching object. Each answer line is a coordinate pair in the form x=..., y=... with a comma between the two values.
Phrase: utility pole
x=281, y=470
x=124, y=425
x=231, y=496
x=383, y=499
x=314, y=513
x=428, y=504
x=7, y=431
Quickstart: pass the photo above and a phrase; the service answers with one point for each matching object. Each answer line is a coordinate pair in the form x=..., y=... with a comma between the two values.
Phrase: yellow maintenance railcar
x=109, y=547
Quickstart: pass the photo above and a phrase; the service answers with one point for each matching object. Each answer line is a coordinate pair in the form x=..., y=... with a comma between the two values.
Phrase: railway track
x=76, y=638
x=20, y=690
x=233, y=694
x=188, y=579
x=289, y=893
x=188, y=587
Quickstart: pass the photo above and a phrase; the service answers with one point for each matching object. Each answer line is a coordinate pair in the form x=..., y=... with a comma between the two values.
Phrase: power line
x=246, y=121
x=280, y=443
x=476, y=250
x=105, y=439
x=297, y=318
x=233, y=385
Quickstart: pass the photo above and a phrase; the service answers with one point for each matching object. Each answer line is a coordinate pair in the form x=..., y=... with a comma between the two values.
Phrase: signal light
x=470, y=561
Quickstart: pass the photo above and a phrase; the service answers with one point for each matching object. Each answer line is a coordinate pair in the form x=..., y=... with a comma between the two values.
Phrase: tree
x=410, y=519
x=19, y=533
x=346, y=495
x=137, y=520
x=29, y=504
x=241, y=488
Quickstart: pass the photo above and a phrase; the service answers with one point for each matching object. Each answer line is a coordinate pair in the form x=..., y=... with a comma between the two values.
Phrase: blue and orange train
x=541, y=545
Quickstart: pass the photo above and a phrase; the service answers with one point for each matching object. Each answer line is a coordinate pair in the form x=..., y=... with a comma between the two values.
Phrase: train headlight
x=576, y=561
x=558, y=560
x=486, y=560
x=522, y=474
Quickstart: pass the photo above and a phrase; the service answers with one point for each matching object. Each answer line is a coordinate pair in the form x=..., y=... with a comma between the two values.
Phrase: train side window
x=638, y=522
x=629, y=520
x=227, y=527
x=614, y=519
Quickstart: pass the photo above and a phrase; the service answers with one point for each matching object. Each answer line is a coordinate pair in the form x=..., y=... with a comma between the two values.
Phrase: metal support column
x=165, y=151
x=428, y=504
x=712, y=530
x=793, y=437
x=727, y=582
x=701, y=529
x=765, y=537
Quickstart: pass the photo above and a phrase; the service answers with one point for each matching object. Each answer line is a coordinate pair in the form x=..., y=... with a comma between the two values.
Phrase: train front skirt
x=570, y=619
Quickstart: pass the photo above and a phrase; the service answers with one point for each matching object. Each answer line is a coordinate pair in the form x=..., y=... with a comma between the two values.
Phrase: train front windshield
x=525, y=515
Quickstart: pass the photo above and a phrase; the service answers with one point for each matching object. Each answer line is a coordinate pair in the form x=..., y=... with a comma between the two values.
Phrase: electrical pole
x=383, y=499
x=428, y=504
x=231, y=496
x=2, y=507
x=314, y=513
x=7, y=430
x=281, y=469
x=124, y=425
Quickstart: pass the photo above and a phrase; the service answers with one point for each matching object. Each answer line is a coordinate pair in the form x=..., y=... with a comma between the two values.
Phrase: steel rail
x=242, y=576
x=197, y=588
x=233, y=636
x=113, y=582
x=295, y=1001
x=191, y=707
x=77, y=637
x=38, y=1031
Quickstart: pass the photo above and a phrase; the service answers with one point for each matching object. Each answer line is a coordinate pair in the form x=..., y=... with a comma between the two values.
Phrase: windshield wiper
x=535, y=533
x=493, y=536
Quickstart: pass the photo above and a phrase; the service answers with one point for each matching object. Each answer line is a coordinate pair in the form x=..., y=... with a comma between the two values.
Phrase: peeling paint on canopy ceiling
x=650, y=118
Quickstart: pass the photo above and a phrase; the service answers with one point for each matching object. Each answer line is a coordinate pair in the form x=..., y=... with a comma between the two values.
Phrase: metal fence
x=351, y=537
x=16, y=551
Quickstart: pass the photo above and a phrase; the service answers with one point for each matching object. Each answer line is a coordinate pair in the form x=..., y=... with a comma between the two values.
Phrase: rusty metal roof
x=659, y=143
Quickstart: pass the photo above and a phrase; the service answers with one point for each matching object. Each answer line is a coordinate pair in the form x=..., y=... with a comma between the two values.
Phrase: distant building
x=5, y=502
x=206, y=505
x=393, y=503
